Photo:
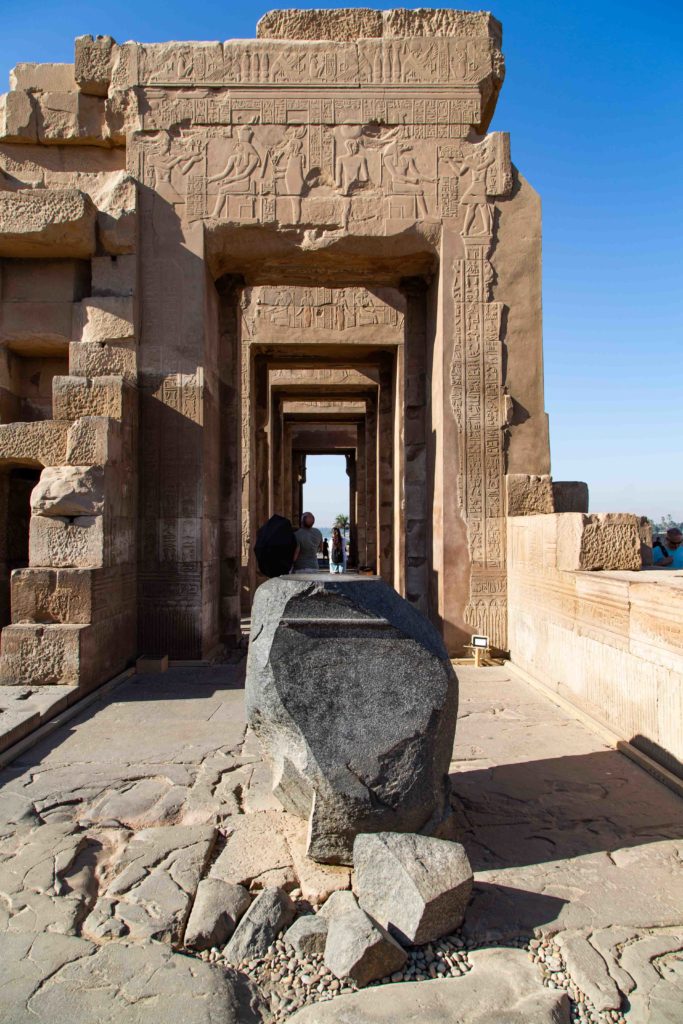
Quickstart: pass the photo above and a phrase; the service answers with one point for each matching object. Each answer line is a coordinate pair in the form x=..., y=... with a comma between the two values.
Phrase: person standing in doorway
x=309, y=542
x=337, y=551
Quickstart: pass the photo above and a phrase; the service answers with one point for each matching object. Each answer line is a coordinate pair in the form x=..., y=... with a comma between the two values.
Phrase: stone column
x=414, y=447
x=361, y=495
x=371, y=480
x=351, y=471
x=287, y=472
x=229, y=290
x=385, y=468
x=259, y=469
x=298, y=481
x=277, y=456
x=179, y=443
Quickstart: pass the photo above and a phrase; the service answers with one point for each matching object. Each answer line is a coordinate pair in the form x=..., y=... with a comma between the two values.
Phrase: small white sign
x=480, y=641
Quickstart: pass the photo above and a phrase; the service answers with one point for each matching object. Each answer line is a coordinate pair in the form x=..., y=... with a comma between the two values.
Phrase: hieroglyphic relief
x=367, y=377
x=476, y=389
x=439, y=116
x=386, y=62
x=325, y=310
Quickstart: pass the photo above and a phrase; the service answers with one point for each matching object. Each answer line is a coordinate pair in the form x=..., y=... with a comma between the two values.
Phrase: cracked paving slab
x=55, y=978
x=156, y=878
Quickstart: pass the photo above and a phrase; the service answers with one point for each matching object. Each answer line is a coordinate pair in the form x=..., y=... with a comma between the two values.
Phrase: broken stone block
x=123, y=115
x=607, y=540
x=51, y=595
x=93, y=64
x=117, y=222
x=27, y=326
x=73, y=397
x=270, y=912
x=218, y=907
x=355, y=745
x=570, y=496
x=43, y=441
x=414, y=886
x=97, y=359
x=359, y=948
x=93, y=440
x=61, y=543
x=316, y=881
x=344, y=24
x=529, y=495
x=107, y=319
x=338, y=903
x=68, y=117
x=69, y=491
x=46, y=222
x=42, y=77
x=42, y=655
x=308, y=935
x=17, y=117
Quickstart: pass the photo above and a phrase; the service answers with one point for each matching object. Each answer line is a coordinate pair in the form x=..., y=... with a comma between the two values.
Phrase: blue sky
x=326, y=491
x=592, y=99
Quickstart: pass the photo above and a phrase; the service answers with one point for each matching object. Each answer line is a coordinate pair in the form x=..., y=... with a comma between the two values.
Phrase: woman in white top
x=337, y=551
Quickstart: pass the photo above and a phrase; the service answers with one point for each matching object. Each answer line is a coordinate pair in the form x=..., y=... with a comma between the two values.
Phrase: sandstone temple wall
x=209, y=252
x=610, y=642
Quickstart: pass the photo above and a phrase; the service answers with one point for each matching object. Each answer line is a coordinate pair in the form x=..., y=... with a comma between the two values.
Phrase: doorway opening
x=16, y=484
x=326, y=493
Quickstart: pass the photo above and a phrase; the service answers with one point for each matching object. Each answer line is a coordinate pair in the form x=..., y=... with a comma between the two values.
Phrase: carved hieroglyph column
x=477, y=400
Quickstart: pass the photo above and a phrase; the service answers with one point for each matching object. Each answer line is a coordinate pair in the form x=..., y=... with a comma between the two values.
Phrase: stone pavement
x=573, y=843
x=108, y=825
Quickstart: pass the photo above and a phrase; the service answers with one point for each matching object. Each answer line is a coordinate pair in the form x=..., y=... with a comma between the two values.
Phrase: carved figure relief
x=236, y=175
x=163, y=161
x=474, y=198
x=351, y=167
x=289, y=161
x=398, y=160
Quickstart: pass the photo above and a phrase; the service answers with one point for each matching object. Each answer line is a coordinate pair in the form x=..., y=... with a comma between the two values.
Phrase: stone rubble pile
x=299, y=955
x=417, y=888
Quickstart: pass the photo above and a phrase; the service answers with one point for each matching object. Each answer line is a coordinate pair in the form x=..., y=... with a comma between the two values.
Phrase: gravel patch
x=289, y=983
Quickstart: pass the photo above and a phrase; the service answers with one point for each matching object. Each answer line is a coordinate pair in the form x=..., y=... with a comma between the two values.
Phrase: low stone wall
x=610, y=642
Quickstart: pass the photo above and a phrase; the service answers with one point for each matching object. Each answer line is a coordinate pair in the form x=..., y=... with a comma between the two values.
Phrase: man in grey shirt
x=309, y=542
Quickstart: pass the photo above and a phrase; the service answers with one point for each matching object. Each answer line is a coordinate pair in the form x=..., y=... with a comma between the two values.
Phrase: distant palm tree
x=342, y=522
